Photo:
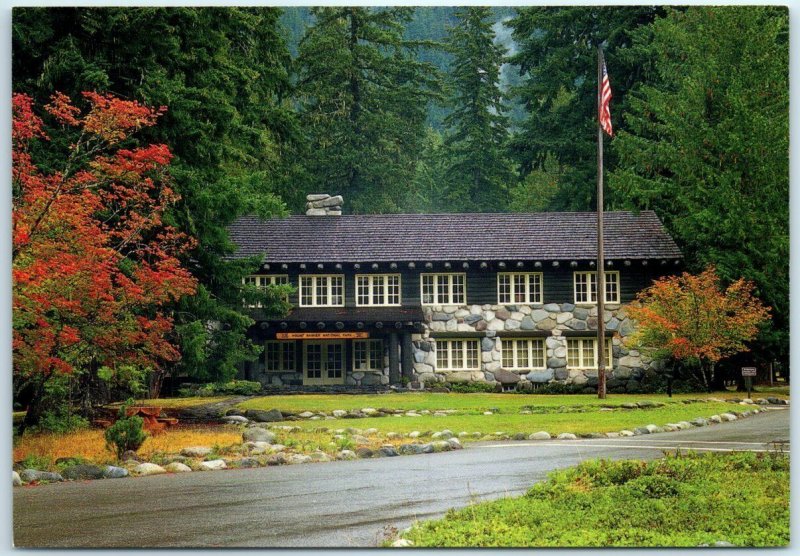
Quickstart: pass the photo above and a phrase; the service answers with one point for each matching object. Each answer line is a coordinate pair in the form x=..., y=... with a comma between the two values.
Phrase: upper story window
x=444, y=289
x=519, y=287
x=586, y=287
x=367, y=355
x=457, y=355
x=321, y=290
x=262, y=281
x=523, y=353
x=377, y=289
x=582, y=353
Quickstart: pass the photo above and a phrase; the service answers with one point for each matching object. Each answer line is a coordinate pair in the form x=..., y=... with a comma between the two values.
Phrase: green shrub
x=469, y=387
x=33, y=461
x=231, y=388
x=61, y=422
x=127, y=433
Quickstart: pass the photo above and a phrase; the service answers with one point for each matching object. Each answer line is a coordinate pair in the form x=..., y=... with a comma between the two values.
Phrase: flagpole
x=601, y=275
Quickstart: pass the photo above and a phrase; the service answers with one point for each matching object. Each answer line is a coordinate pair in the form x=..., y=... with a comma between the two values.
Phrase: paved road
x=345, y=503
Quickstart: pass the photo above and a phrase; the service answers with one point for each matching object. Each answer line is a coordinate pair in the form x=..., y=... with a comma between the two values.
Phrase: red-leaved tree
x=93, y=262
x=692, y=319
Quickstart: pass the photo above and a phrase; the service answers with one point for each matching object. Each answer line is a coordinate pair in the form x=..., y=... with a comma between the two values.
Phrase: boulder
x=31, y=475
x=213, y=465
x=541, y=435
x=455, y=444
x=625, y=433
x=277, y=459
x=264, y=416
x=235, y=419
x=319, y=456
x=441, y=445
x=177, y=467
x=16, y=479
x=728, y=417
x=339, y=413
x=83, y=472
x=346, y=455
x=387, y=452
x=299, y=458
x=114, y=472
x=699, y=422
x=364, y=453
x=641, y=430
x=519, y=436
x=410, y=449
x=505, y=377
x=196, y=451
x=247, y=463
x=567, y=436
x=257, y=434
x=144, y=469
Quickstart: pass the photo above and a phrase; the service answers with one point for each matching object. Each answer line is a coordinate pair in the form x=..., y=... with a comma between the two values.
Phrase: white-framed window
x=519, y=287
x=582, y=353
x=377, y=289
x=444, y=289
x=586, y=287
x=367, y=355
x=523, y=353
x=262, y=282
x=279, y=356
x=318, y=290
x=457, y=355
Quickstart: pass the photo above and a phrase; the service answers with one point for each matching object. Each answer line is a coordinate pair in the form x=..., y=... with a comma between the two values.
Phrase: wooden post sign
x=749, y=371
x=321, y=335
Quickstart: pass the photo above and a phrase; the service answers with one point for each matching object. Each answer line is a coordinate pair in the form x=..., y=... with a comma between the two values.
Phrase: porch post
x=407, y=356
x=394, y=362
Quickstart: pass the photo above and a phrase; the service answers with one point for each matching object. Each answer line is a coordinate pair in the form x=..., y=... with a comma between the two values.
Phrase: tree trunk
x=35, y=408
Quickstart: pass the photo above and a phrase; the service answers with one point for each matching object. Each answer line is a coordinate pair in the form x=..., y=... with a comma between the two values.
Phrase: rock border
x=270, y=453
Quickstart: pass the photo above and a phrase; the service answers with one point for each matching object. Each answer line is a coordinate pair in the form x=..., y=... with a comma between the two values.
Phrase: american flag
x=603, y=111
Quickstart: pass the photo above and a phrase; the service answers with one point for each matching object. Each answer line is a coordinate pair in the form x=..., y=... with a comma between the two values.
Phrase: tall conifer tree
x=364, y=101
x=480, y=175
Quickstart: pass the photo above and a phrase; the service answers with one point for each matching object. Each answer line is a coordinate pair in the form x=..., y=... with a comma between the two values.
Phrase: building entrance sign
x=322, y=335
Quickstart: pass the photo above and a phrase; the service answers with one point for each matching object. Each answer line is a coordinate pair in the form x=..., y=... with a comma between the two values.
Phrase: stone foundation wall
x=490, y=322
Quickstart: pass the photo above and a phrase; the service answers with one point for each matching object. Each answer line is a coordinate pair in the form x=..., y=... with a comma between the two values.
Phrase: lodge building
x=424, y=299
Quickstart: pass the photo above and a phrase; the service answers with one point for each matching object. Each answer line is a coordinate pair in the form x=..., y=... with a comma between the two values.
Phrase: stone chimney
x=322, y=204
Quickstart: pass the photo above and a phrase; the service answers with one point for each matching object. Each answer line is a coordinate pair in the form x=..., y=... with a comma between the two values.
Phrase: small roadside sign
x=748, y=371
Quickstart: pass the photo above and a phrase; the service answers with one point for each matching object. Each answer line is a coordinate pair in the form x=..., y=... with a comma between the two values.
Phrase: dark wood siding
x=482, y=283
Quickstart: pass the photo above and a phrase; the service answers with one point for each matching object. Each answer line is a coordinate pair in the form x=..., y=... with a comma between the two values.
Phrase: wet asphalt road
x=343, y=503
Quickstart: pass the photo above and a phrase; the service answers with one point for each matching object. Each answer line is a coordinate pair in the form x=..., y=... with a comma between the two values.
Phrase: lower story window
x=368, y=355
x=523, y=353
x=457, y=355
x=582, y=353
x=279, y=356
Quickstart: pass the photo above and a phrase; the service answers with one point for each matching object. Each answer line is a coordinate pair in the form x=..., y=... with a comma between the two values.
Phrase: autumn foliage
x=93, y=261
x=691, y=318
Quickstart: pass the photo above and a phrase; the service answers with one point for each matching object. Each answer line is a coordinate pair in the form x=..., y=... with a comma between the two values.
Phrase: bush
x=61, y=423
x=232, y=388
x=127, y=433
x=469, y=387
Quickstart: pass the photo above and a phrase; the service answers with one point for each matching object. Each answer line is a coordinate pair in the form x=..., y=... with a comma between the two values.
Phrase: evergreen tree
x=706, y=145
x=480, y=175
x=557, y=56
x=224, y=74
x=364, y=102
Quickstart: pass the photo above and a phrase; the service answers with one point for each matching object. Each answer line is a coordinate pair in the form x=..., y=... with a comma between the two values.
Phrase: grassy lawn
x=685, y=501
x=554, y=423
x=505, y=403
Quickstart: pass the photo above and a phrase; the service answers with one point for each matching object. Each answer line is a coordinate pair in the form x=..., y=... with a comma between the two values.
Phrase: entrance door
x=323, y=362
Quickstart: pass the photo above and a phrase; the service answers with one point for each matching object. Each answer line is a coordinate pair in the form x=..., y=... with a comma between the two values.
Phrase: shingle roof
x=443, y=237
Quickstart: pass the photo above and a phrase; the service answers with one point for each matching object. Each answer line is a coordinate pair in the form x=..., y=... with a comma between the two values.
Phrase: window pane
x=519, y=288
x=508, y=353
x=612, y=287
x=458, y=289
x=314, y=360
x=376, y=354
x=427, y=288
x=537, y=357
x=306, y=291
x=472, y=354
x=337, y=290
x=503, y=288
x=588, y=347
x=362, y=290
x=573, y=353
x=536, y=288
x=456, y=354
x=522, y=354
x=442, y=289
x=441, y=355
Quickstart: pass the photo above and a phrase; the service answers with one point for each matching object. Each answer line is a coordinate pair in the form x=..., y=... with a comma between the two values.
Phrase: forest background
x=438, y=109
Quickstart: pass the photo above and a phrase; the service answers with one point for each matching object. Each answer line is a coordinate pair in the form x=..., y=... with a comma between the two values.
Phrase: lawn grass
x=679, y=501
x=554, y=423
x=462, y=402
